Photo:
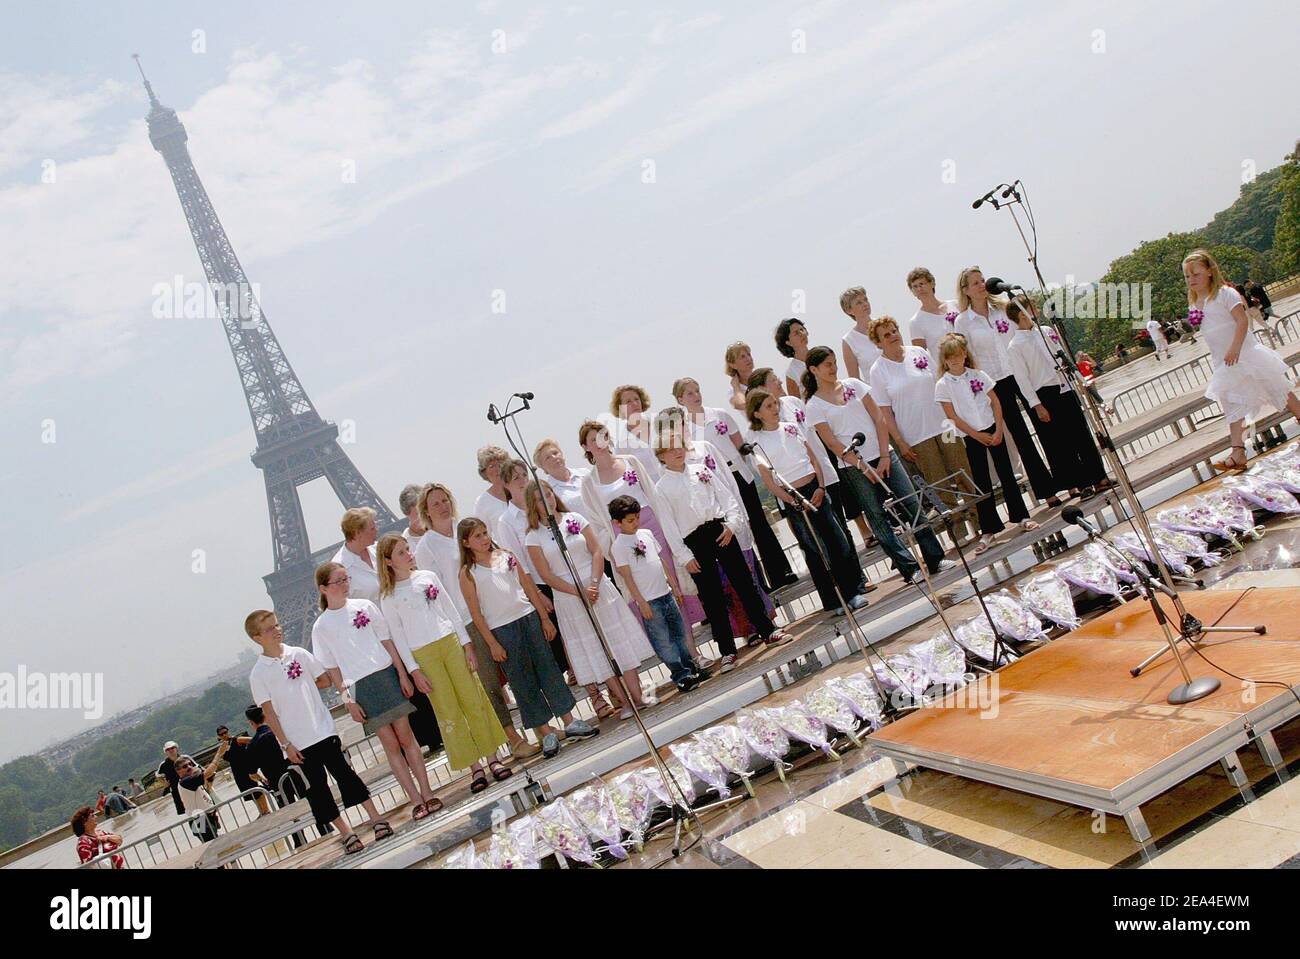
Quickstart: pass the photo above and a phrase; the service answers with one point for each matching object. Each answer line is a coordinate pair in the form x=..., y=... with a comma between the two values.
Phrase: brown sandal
x=1228, y=464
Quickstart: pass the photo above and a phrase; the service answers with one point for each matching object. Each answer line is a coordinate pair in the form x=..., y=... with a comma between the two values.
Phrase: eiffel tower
x=294, y=445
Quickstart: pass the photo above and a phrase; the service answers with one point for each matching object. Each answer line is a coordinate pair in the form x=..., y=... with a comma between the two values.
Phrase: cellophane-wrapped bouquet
x=901, y=674
x=802, y=725
x=859, y=694
x=831, y=710
x=1013, y=618
x=726, y=743
x=764, y=735
x=1189, y=544
x=662, y=791
x=1087, y=572
x=1263, y=492
x=1133, y=545
x=466, y=857
x=634, y=803
x=515, y=846
x=593, y=807
x=702, y=766
x=941, y=660
x=1233, y=510
x=559, y=831
x=977, y=638
x=1049, y=597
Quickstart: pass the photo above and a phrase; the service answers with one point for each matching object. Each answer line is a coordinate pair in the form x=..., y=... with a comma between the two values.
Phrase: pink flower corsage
x=849, y=393
x=798, y=417
x=951, y=318
x=1053, y=336
x=630, y=478
x=792, y=429
x=921, y=362
x=977, y=386
x=431, y=592
x=1195, y=318
x=710, y=462
x=361, y=620
x=1002, y=326
x=721, y=428
x=293, y=670
x=511, y=563
x=572, y=526
x=704, y=476
x=639, y=549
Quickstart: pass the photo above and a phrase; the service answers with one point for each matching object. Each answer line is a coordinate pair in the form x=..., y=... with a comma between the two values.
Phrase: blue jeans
x=667, y=635
x=869, y=497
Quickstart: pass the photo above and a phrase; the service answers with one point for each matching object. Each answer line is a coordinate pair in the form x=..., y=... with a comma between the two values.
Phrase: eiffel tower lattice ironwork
x=294, y=444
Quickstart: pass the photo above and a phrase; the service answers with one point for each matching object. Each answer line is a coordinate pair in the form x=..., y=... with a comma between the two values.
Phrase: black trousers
x=776, y=568
x=1040, y=477
x=424, y=722
x=1073, y=456
x=703, y=544
x=557, y=644
x=990, y=522
x=324, y=757
x=845, y=569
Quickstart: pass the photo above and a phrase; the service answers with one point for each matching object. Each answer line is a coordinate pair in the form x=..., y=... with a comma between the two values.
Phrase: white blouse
x=351, y=639
x=692, y=498
x=907, y=388
x=441, y=555
x=988, y=339
x=418, y=612
x=847, y=418
x=489, y=509
x=363, y=581
x=969, y=396
x=1032, y=363
x=931, y=327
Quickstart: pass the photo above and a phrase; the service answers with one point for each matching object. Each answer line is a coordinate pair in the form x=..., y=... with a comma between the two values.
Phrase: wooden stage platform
x=1068, y=721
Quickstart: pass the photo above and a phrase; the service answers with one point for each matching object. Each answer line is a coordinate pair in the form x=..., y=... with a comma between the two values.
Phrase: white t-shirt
x=792, y=411
x=288, y=683
x=441, y=555
x=363, y=581
x=1032, y=364
x=718, y=426
x=907, y=388
x=847, y=419
x=862, y=347
x=969, y=396
x=418, y=612
x=489, y=509
x=646, y=567
x=412, y=539
x=988, y=339
x=351, y=639
x=931, y=327
x=795, y=369
x=1157, y=332
x=786, y=448
x=500, y=597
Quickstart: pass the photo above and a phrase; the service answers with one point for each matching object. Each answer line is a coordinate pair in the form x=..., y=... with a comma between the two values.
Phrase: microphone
x=524, y=396
x=492, y=413
x=987, y=197
x=1072, y=514
x=858, y=440
x=997, y=286
x=746, y=448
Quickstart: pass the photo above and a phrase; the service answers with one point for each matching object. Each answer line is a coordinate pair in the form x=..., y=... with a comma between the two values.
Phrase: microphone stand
x=683, y=816
x=925, y=491
x=1190, y=628
x=805, y=506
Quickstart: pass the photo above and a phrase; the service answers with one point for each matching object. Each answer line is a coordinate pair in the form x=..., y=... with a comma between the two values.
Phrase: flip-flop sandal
x=382, y=830
x=479, y=783
x=499, y=771
x=352, y=845
x=419, y=811
x=432, y=806
x=985, y=544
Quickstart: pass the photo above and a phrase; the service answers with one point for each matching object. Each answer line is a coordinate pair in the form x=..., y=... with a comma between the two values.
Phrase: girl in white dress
x=626, y=637
x=1248, y=377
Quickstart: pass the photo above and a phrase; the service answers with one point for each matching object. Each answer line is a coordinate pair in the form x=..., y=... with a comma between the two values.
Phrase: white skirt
x=1257, y=383
x=627, y=638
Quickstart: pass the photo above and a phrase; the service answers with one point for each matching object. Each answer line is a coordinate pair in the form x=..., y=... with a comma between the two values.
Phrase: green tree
x=1286, y=233
x=1251, y=220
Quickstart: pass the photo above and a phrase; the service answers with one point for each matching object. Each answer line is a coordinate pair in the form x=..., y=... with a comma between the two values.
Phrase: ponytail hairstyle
x=816, y=357
x=323, y=573
x=383, y=553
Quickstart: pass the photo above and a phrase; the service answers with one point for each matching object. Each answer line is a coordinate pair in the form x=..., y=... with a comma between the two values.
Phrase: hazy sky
x=506, y=147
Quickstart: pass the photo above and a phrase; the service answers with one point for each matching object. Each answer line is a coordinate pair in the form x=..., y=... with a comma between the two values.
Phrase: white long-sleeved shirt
x=441, y=555
x=988, y=339
x=418, y=612
x=1032, y=363
x=692, y=498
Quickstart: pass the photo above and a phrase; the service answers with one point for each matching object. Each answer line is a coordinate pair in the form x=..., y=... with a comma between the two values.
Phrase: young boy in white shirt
x=705, y=516
x=645, y=570
x=285, y=681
